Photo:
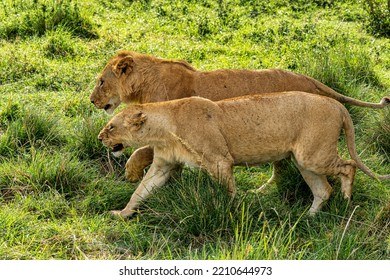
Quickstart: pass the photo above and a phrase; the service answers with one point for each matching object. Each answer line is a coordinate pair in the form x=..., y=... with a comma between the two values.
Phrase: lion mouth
x=118, y=148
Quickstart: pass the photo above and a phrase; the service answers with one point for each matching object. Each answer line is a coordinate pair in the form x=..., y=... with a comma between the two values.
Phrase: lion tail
x=327, y=91
x=351, y=144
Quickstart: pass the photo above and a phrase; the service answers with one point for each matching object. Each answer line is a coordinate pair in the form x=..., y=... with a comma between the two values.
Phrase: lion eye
x=111, y=127
x=101, y=83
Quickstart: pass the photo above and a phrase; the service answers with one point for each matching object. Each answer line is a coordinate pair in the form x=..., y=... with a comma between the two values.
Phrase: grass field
x=57, y=182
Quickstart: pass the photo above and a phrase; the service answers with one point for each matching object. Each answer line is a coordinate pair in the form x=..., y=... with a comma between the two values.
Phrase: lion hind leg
x=336, y=166
x=347, y=176
x=320, y=188
x=223, y=172
x=326, y=161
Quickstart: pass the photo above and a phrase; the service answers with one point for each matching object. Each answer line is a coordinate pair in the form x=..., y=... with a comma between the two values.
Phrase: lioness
x=240, y=131
x=131, y=77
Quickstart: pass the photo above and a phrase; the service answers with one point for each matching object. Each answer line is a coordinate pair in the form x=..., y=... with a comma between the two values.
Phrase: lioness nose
x=100, y=138
x=92, y=101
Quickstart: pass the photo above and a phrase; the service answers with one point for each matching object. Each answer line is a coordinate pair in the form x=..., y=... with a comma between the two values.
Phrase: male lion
x=131, y=77
x=239, y=131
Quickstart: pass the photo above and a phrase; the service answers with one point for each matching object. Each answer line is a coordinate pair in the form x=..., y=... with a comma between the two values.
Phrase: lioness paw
x=134, y=175
x=116, y=213
x=119, y=214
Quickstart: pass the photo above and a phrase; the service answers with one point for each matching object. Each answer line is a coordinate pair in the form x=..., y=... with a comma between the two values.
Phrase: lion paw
x=134, y=175
x=116, y=213
x=123, y=214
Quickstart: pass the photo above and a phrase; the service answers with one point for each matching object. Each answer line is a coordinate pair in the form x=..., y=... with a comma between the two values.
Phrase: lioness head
x=113, y=82
x=122, y=131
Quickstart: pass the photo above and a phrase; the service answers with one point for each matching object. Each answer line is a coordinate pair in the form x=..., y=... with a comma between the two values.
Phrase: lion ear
x=124, y=66
x=137, y=120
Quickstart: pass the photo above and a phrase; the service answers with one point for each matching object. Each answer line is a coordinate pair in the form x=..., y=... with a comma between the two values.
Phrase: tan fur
x=139, y=159
x=131, y=77
x=241, y=131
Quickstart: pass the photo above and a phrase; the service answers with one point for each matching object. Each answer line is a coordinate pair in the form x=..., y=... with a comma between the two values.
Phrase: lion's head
x=122, y=130
x=119, y=78
x=105, y=95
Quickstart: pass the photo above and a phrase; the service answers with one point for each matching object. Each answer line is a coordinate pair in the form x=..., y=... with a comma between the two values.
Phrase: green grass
x=35, y=18
x=58, y=183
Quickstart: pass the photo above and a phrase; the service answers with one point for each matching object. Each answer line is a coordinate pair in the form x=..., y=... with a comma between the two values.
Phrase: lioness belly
x=260, y=158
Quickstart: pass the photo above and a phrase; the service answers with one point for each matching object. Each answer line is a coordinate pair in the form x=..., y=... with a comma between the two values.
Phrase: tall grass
x=59, y=45
x=343, y=69
x=85, y=142
x=27, y=129
x=379, y=134
x=28, y=18
x=43, y=171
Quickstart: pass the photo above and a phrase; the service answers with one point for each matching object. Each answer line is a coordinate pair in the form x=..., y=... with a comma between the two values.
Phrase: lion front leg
x=222, y=171
x=139, y=160
x=156, y=176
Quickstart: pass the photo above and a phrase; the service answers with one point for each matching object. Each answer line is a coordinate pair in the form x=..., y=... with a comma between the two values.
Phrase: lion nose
x=100, y=138
x=92, y=101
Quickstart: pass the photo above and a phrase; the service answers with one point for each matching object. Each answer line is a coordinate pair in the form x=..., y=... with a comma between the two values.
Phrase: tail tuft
x=385, y=101
x=384, y=177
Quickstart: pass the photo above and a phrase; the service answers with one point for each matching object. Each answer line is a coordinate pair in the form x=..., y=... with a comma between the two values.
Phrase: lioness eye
x=111, y=127
x=101, y=83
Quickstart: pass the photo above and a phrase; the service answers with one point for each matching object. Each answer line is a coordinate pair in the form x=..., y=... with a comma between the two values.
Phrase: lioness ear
x=137, y=120
x=124, y=66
